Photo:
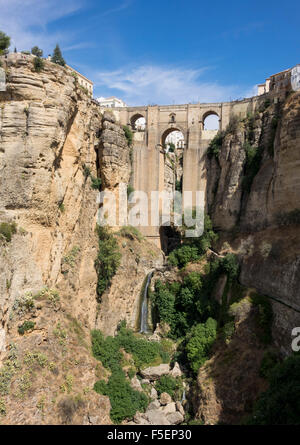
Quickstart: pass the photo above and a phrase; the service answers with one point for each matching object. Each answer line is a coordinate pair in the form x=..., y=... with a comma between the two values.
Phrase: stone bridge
x=148, y=147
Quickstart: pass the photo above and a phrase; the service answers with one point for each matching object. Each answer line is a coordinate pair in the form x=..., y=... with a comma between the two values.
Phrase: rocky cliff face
x=53, y=141
x=260, y=215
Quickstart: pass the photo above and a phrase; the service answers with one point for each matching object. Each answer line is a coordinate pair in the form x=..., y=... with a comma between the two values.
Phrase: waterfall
x=144, y=308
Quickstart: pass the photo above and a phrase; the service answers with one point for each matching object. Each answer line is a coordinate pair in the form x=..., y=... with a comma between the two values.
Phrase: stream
x=144, y=329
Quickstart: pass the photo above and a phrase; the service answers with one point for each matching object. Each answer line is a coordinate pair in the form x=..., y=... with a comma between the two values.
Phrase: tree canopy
x=36, y=51
x=4, y=42
x=57, y=56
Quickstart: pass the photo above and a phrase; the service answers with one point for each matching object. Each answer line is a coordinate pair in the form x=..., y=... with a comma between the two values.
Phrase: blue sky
x=162, y=51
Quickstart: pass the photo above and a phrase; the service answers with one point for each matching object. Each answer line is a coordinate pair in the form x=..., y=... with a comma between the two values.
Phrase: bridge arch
x=169, y=130
x=211, y=120
x=135, y=119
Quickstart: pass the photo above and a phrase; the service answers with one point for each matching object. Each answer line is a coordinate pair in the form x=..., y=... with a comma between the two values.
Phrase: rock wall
x=53, y=139
x=262, y=223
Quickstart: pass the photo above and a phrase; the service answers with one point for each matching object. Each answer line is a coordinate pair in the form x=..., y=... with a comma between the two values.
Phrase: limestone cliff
x=54, y=142
x=256, y=206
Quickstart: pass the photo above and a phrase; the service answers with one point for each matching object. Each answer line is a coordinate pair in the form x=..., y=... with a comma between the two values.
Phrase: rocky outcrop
x=53, y=140
x=261, y=218
x=155, y=372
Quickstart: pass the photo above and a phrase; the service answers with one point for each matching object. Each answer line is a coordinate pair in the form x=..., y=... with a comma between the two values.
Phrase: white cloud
x=25, y=21
x=150, y=84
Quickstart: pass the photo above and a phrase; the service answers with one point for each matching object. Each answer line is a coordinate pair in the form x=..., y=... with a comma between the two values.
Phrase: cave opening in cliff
x=170, y=238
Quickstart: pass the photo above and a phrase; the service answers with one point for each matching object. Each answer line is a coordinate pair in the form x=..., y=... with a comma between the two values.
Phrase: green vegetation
x=182, y=305
x=130, y=190
x=131, y=232
x=201, y=339
x=170, y=385
x=70, y=258
x=124, y=400
x=128, y=135
x=57, y=56
x=7, y=230
x=8, y=370
x=252, y=165
x=4, y=42
x=215, y=145
x=280, y=404
x=38, y=64
x=108, y=259
x=264, y=318
x=2, y=407
x=26, y=326
x=36, y=51
x=96, y=183
x=193, y=248
x=268, y=363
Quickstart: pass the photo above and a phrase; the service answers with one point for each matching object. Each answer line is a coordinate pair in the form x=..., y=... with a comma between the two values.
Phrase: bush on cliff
x=108, y=259
x=7, y=230
x=193, y=248
x=280, y=404
x=199, y=345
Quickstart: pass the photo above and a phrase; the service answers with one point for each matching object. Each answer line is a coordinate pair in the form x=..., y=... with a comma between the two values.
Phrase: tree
x=57, y=56
x=36, y=51
x=38, y=64
x=4, y=42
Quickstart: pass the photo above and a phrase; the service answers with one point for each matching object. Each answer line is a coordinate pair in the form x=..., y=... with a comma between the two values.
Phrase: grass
x=7, y=230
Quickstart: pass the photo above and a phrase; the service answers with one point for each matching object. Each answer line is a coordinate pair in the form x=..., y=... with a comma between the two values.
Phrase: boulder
x=168, y=409
x=155, y=372
x=153, y=394
x=175, y=418
x=156, y=417
x=176, y=371
x=165, y=398
x=135, y=384
x=179, y=408
x=154, y=405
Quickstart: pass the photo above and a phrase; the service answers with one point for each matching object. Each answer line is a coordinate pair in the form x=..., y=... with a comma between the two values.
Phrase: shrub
x=125, y=401
x=96, y=183
x=26, y=326
x=128, y=135
x=252, y=165
x=265, y=317
x=108, y=259
x=200, y=342
x=130, y=190
x=38, y=64
x=131, y=233
x=7, y=230
x=183, y=255
x=169, y=385
x=268, y=363
x=280, y=405
x=215, y=145
x=36, y=51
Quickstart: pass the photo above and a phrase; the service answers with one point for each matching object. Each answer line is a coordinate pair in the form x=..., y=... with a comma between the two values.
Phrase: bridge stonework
x=148, y=150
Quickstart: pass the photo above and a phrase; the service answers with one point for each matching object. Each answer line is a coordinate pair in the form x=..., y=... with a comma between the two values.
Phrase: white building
x=111, y=102
x=176, y=138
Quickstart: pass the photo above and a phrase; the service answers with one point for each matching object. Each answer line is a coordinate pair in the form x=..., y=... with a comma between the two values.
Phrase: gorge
x=236, y=288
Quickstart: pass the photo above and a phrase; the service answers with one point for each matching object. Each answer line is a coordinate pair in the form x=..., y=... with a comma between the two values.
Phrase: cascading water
x=144, y=329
